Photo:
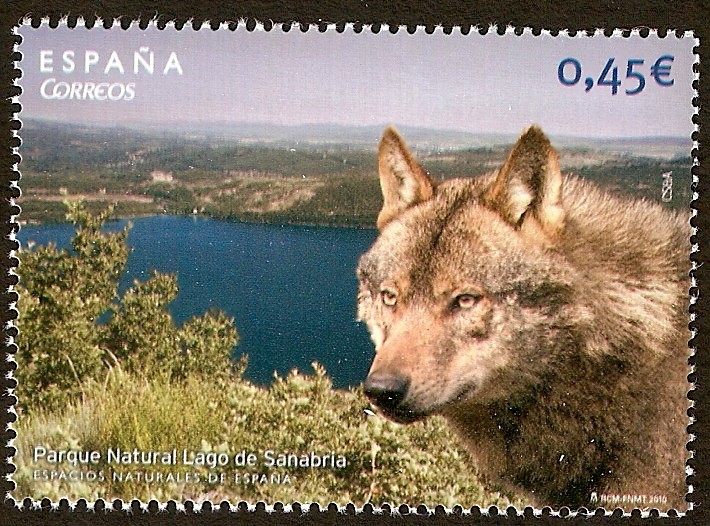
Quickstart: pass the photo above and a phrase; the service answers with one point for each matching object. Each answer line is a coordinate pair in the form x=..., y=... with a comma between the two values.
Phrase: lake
x=291, y=289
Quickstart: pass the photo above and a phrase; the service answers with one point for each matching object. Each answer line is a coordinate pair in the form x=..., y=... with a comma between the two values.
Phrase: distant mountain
x=655, y=147
x=333, y=134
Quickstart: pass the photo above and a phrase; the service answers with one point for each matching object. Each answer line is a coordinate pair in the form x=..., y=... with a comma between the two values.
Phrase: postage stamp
x=357, y=267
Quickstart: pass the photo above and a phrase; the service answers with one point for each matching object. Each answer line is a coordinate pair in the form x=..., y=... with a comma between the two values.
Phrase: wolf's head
x=463, y=287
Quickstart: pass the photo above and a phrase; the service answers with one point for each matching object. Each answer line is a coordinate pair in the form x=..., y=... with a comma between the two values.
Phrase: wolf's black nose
x=386, y=390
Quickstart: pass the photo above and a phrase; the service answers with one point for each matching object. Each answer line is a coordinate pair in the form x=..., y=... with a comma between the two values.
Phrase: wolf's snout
x=386, y=390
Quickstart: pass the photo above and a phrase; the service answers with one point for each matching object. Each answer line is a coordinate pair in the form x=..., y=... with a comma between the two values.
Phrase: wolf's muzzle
x=387, y=391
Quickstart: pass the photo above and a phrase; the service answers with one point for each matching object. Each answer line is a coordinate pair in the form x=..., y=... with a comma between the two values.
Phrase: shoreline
x=239, y=220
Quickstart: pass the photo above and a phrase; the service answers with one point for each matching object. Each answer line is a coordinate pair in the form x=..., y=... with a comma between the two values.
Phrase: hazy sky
x=489, y=84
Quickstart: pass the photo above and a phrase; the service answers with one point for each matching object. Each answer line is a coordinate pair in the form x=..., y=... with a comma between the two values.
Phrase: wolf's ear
x=527, y=192
x=404, y=183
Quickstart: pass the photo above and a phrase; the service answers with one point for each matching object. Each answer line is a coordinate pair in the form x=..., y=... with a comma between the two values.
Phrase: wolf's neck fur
x=645, y=281
x=503, y=435
x=511, y=428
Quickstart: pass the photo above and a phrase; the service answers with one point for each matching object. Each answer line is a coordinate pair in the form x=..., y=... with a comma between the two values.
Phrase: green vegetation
x=98, y=370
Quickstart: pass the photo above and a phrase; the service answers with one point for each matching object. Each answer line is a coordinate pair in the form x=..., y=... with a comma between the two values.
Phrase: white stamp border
x=402, y=510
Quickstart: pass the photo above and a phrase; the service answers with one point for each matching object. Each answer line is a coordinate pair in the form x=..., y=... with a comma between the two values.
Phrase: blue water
x=290, y=289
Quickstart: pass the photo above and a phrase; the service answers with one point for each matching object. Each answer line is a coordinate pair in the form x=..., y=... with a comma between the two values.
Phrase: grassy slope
x=421, y=463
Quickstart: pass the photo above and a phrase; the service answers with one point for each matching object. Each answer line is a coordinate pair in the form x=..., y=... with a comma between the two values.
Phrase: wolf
x=545, y=319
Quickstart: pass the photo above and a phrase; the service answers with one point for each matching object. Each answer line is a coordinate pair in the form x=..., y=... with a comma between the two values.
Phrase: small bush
x=59, y=430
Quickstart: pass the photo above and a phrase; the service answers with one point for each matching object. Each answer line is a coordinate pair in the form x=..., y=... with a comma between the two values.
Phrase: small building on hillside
x=160, y=176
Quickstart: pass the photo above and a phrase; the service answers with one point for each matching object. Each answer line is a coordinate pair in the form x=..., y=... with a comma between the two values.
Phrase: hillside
x=322, y=179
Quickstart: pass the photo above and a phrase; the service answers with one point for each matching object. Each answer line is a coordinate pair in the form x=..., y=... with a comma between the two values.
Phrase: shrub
x=62, y=294
x=65, y=293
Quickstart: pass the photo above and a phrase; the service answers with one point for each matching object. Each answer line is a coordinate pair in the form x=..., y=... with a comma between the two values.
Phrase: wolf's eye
x=466, y=301
x=389, y=297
